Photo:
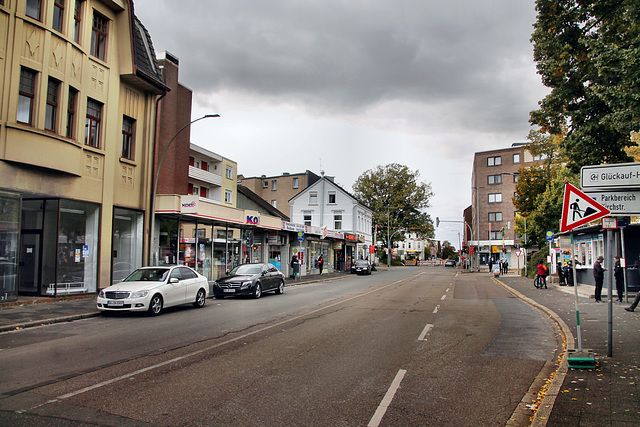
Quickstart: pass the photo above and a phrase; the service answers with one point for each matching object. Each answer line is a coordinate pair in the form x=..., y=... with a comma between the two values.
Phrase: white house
x=346, y=223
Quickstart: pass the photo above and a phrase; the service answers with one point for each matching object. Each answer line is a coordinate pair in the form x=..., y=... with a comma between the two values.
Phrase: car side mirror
x=263, y=273
x=174, y=280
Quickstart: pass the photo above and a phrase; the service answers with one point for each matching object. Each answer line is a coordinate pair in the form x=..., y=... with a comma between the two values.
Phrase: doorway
x=30, y=262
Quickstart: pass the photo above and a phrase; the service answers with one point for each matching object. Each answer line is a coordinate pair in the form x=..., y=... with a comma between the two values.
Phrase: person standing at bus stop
x=598, y=276
x=618, y=273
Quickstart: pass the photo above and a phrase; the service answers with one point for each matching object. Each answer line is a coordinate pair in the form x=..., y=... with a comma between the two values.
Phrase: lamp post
x=155, y=182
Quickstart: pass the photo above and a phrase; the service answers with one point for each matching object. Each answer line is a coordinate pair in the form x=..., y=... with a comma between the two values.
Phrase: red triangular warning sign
x=579, y=209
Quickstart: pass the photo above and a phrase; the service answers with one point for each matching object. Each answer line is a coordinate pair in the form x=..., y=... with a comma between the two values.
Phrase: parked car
x=250, y=279
x=154, y=288
x=450, y=263
x=362, y=266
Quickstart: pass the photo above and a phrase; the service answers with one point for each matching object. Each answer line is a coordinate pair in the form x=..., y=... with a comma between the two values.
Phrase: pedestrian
x=561, y=279
x=320, y=263
x=505, y=267
x=294, y=261
x=490, y=264
x=618, y=273
x=541, y=278
x=635, y=303
x=567, y=272
x=598, y=276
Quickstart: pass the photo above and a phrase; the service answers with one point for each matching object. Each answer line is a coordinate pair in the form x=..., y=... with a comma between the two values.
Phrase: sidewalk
x=608, y=395
x=35, y=311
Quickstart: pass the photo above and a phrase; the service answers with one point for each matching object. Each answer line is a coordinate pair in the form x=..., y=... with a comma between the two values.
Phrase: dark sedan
x=250, y=279
x=362, y=266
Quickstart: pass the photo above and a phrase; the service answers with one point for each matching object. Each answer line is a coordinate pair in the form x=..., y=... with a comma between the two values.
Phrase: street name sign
x=621, y=175
x=619, y=202
x=579, y=209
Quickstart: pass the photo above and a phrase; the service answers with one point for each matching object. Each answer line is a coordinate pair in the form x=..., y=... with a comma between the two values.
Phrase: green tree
x=587, y=52
x=448, y=251
x=398, y=200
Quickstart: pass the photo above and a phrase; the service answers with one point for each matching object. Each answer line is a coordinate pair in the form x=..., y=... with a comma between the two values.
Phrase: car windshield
x=247, y=269
x=151, y=274
x=362, y=263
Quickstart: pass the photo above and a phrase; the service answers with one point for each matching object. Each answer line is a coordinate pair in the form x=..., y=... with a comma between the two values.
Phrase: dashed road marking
x=386, y=400
x=425, y=331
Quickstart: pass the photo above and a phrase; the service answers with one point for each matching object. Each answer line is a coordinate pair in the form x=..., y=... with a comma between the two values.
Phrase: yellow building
x=77, y=118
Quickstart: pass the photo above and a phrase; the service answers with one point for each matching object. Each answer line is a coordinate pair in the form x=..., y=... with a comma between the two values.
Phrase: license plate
x=229, y=291
x=115, y=303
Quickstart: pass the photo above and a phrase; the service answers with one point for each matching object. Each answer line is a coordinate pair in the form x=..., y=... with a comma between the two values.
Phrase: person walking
x=635, y=303
x=320, y=263
x=618, y=273
x=505, y=267
x=598, y=276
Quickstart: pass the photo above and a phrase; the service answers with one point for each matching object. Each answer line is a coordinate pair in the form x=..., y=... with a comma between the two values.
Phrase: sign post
x=579, y=209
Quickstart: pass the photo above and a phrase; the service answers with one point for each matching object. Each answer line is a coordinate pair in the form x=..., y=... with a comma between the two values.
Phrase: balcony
x=205, y=176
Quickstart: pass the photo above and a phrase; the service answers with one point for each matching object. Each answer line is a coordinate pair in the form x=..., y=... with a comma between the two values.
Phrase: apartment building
x=77, y=122
x=494, y=179
x=278, y=190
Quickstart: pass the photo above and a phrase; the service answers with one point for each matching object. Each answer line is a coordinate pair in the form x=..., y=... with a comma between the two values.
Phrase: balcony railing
x=205, y=176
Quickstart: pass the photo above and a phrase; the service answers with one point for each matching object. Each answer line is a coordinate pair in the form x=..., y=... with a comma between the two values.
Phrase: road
x=409, y=346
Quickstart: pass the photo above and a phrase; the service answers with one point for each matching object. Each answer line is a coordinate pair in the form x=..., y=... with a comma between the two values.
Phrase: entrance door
x=29, y=266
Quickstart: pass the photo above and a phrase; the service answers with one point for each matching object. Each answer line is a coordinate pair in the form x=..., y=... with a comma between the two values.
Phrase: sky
x=345, y=86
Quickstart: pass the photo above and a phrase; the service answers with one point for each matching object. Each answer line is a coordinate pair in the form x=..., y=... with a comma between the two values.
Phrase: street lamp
x=155, y=181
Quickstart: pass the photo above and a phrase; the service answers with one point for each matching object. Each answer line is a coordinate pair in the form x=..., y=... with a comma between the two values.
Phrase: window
x=265, y=184
x=26, y=97
x=228, y=196
x=494, y=161
x=127, y=137
x=540, y=157
x=495, y=216
x=274, y=185
x=34, y=9
x=58, y=15
x=516, y=158
x=92, y=126
x=229, y=172
x=77, y=19
x=332, y=198
x=204, y=192
x=313, y=198
x=71, y=113
x=337, y=221
x=495, y=235
x=190, y=189
x=306, y=218
x=495, y=198
x=515, y=177
x=274, y=203
x=196, y=164
x=295, y=183
x=99, y=36
x=51, y=112
x=494, y=179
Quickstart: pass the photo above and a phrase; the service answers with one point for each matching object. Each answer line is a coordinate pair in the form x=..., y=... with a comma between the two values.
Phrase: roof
x=329, y=180
x=144, y=56
x=261, y=202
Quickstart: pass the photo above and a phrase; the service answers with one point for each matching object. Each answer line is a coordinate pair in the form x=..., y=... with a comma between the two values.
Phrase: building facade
x=278, y=190
x=494, y=179
x=77, y=121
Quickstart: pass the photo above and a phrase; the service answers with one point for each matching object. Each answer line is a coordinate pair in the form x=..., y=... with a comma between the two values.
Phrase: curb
x=50, y=321
x=553, y=380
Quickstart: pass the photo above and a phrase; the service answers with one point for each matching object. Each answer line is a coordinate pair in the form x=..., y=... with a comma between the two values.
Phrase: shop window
x=99, y=36
x=58, y=15
x=51, y=112
x=94, y=116
x=127, y=243
x=27, y=95
x=127, y=137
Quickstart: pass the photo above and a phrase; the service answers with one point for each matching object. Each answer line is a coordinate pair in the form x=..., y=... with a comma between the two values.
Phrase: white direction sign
x=619, y=202
x=621, y=175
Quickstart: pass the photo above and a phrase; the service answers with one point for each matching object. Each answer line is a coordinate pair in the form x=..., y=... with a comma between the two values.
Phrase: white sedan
x=154, y=288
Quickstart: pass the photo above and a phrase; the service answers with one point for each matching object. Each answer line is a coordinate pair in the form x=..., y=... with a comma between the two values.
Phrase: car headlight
x=139, y=294
x=246, y=284
x=101, y=294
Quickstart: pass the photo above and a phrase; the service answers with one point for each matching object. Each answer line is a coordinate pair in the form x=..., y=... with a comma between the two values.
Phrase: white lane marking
x=443, y=297
x=425, y=331
x=447, y=291
x=386, y=400
x=435, y=310
x=177, y=359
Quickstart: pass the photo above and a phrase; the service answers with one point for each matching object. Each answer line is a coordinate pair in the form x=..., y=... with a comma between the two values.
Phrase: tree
x=448, y=251
x=398, y=201
x=587, y=52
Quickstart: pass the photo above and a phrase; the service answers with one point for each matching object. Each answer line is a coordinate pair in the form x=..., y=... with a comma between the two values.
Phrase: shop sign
x=331, y=233
x=189, y=204
x=337, y=245
x=290, y=226
x=350, y=237
x=253, y=220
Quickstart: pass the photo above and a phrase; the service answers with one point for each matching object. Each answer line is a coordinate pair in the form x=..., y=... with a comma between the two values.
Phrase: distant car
x=362, y=266
x=250, y=279
x=450, y=263
x=152, y=289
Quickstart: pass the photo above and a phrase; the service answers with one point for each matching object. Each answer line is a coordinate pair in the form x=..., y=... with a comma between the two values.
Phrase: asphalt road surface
x=409, y=346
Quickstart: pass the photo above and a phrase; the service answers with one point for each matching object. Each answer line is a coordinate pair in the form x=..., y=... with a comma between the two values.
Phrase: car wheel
x=200, y=299
x=257, y=292
x=280, y=289
x=155, y=306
